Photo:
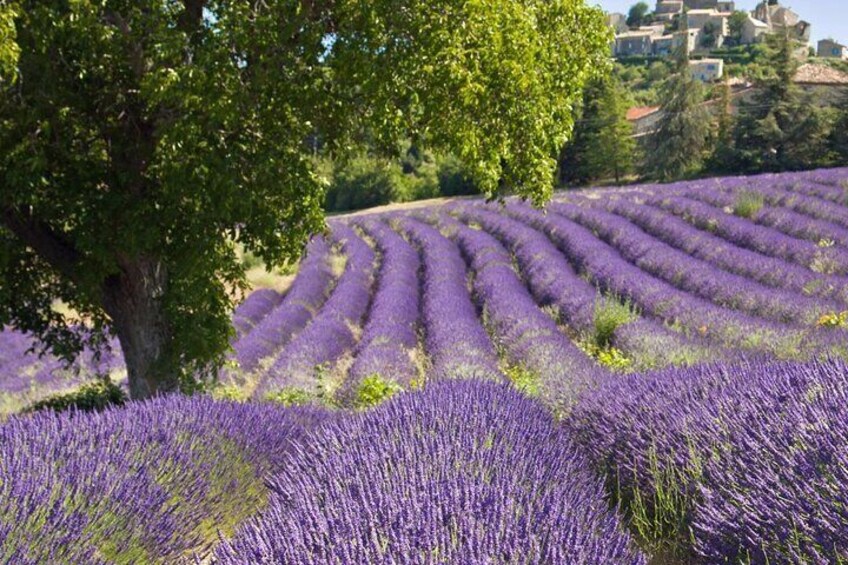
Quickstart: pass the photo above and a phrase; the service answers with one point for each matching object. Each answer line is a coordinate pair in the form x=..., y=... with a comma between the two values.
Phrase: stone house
x=754, y=30
x=829, y=48
x=633, y=43
x=706, y=70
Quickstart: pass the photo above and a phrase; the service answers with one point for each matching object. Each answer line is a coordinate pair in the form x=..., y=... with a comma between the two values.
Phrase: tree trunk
x=133, y=300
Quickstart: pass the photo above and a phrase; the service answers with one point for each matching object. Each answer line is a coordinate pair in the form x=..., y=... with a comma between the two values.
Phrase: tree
x=723, y=156
x=735, y=25
x=638, y=15
x=676, y=148
x=839, y=133
x=710, y=35
x=145, y=139
x=603, y=145
x=780, y=130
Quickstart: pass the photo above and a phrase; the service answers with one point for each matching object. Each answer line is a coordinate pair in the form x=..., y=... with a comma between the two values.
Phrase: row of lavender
x=732, y=463
x=705, y=281
x=464, y=472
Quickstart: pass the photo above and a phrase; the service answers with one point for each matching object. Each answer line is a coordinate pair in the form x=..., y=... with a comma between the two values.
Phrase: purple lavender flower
x=331, y=333
x=148, y=482
x=456, y=342
x=390, y=335
x=463, y=472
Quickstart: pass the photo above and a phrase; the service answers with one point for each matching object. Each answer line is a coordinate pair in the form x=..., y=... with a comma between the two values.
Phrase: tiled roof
x=639, y=112
x=820, y=74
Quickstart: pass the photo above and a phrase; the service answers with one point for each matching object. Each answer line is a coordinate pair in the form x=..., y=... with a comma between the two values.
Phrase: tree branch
x=191, y=18
x=52, y=247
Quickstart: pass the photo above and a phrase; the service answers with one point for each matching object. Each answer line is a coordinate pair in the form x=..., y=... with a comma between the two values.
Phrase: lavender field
x=648, y=374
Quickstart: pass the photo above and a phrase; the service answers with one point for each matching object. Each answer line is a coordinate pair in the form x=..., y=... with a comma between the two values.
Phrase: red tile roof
x=639, y=112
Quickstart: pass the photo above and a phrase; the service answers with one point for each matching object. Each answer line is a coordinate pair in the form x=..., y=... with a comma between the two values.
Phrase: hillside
x=657, y=346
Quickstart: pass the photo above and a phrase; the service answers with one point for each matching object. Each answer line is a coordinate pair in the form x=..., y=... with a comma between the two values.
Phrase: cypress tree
x=603, y=145
x=676, y=149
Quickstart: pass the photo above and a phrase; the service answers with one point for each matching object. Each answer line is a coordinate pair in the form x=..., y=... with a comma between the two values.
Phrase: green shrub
x=747, y=204
x=89, y=397
x=454, y=180
x=523, y=379
x=610, y=313
x=373, y=390
x=290, y=396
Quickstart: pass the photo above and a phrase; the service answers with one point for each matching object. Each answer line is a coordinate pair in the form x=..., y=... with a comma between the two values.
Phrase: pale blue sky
x=828, y=17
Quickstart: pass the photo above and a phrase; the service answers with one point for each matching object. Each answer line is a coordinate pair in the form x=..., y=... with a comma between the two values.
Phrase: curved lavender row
x=308, y=292
x=390, y=334
x=758, y=450
x=796, y=215
x=703, y=245
x=608, y=269
x=694, y=275
x=463, y=472
x=456, y=342
x=836, y=177
x=331, y=332
x=145, y=483
x=529, y=337
x=26, y=378
x=553, y=282
x=743, y=233
x=255, y=307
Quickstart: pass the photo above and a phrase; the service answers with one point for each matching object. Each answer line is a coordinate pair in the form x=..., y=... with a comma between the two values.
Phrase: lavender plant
x=151, y=482
x=463, y=472
x=333, y=331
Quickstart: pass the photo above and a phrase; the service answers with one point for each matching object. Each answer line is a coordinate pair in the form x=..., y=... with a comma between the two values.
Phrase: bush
x=88, y=398
x=610, y=313
x=747, y=204
x=373, y=390
x=364, y=182
x=291, y=396
x=454, y=180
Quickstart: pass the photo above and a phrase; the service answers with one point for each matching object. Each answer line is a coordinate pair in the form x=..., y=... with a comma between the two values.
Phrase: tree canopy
x=676, y=148
x=142, y=140
x=603, y=145
x=780, y=129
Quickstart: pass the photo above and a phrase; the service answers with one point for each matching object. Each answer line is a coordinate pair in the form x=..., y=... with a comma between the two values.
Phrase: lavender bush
x=331, y=333
x=307, y=294
x=147, y=483
x=752, y=457
x=390, y=335
x=463, y=472
x=456, y=342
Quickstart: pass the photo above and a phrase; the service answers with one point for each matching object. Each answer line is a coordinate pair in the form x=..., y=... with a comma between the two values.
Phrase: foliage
x=146, y=139
x=602, y=146
x=609, y=314
x=9, y=49
x=523, y=379
x=748, y=203
x=723, y=155
x=675, y=149
x=833, y=320
x=454, y=178
x=839, y=133
x=638, y=15
x=290, y=396
x=373, y=390
x=89, y=397
x=735, y=25
x=365, y=181
x=780, y=129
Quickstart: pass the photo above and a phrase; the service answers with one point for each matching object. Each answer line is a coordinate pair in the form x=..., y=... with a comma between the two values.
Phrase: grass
x=747, y=204
x=610, y=313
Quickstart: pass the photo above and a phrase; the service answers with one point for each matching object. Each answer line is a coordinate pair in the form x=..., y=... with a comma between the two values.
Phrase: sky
x=829, y=18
